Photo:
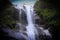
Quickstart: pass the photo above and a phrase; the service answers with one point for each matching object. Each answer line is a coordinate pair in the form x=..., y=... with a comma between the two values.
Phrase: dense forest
x=47, y=10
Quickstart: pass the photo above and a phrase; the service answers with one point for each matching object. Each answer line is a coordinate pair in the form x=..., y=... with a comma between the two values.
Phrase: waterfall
x=31, y=31
x=30, y=27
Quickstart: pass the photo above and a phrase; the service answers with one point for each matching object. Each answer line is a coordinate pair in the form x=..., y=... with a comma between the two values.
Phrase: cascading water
x=30, y=28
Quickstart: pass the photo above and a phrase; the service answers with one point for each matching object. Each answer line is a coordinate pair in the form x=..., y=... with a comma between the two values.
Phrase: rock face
x=43, y=34
x=15, y=14
x=23, y=17
x=21, y=27
x=4, y=36
x=13, y=35
x=37, y=19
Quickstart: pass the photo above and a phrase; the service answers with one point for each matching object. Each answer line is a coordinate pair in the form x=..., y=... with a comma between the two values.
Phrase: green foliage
x=6, y=17
x=37, y=7
x=47, y=13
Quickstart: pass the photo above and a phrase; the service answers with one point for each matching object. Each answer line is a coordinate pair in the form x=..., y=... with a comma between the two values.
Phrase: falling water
x=30, y=28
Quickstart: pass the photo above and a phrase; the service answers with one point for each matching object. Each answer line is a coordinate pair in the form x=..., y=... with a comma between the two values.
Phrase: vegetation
x=8, y=15
x=49, y=11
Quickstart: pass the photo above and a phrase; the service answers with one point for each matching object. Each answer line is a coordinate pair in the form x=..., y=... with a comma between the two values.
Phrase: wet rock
x=4, y=36
x=37, y=19
x=15, y=13
x=23, y=17
x=20, y=27
x=14, y=34
x=36, y=16
x=43, y=34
